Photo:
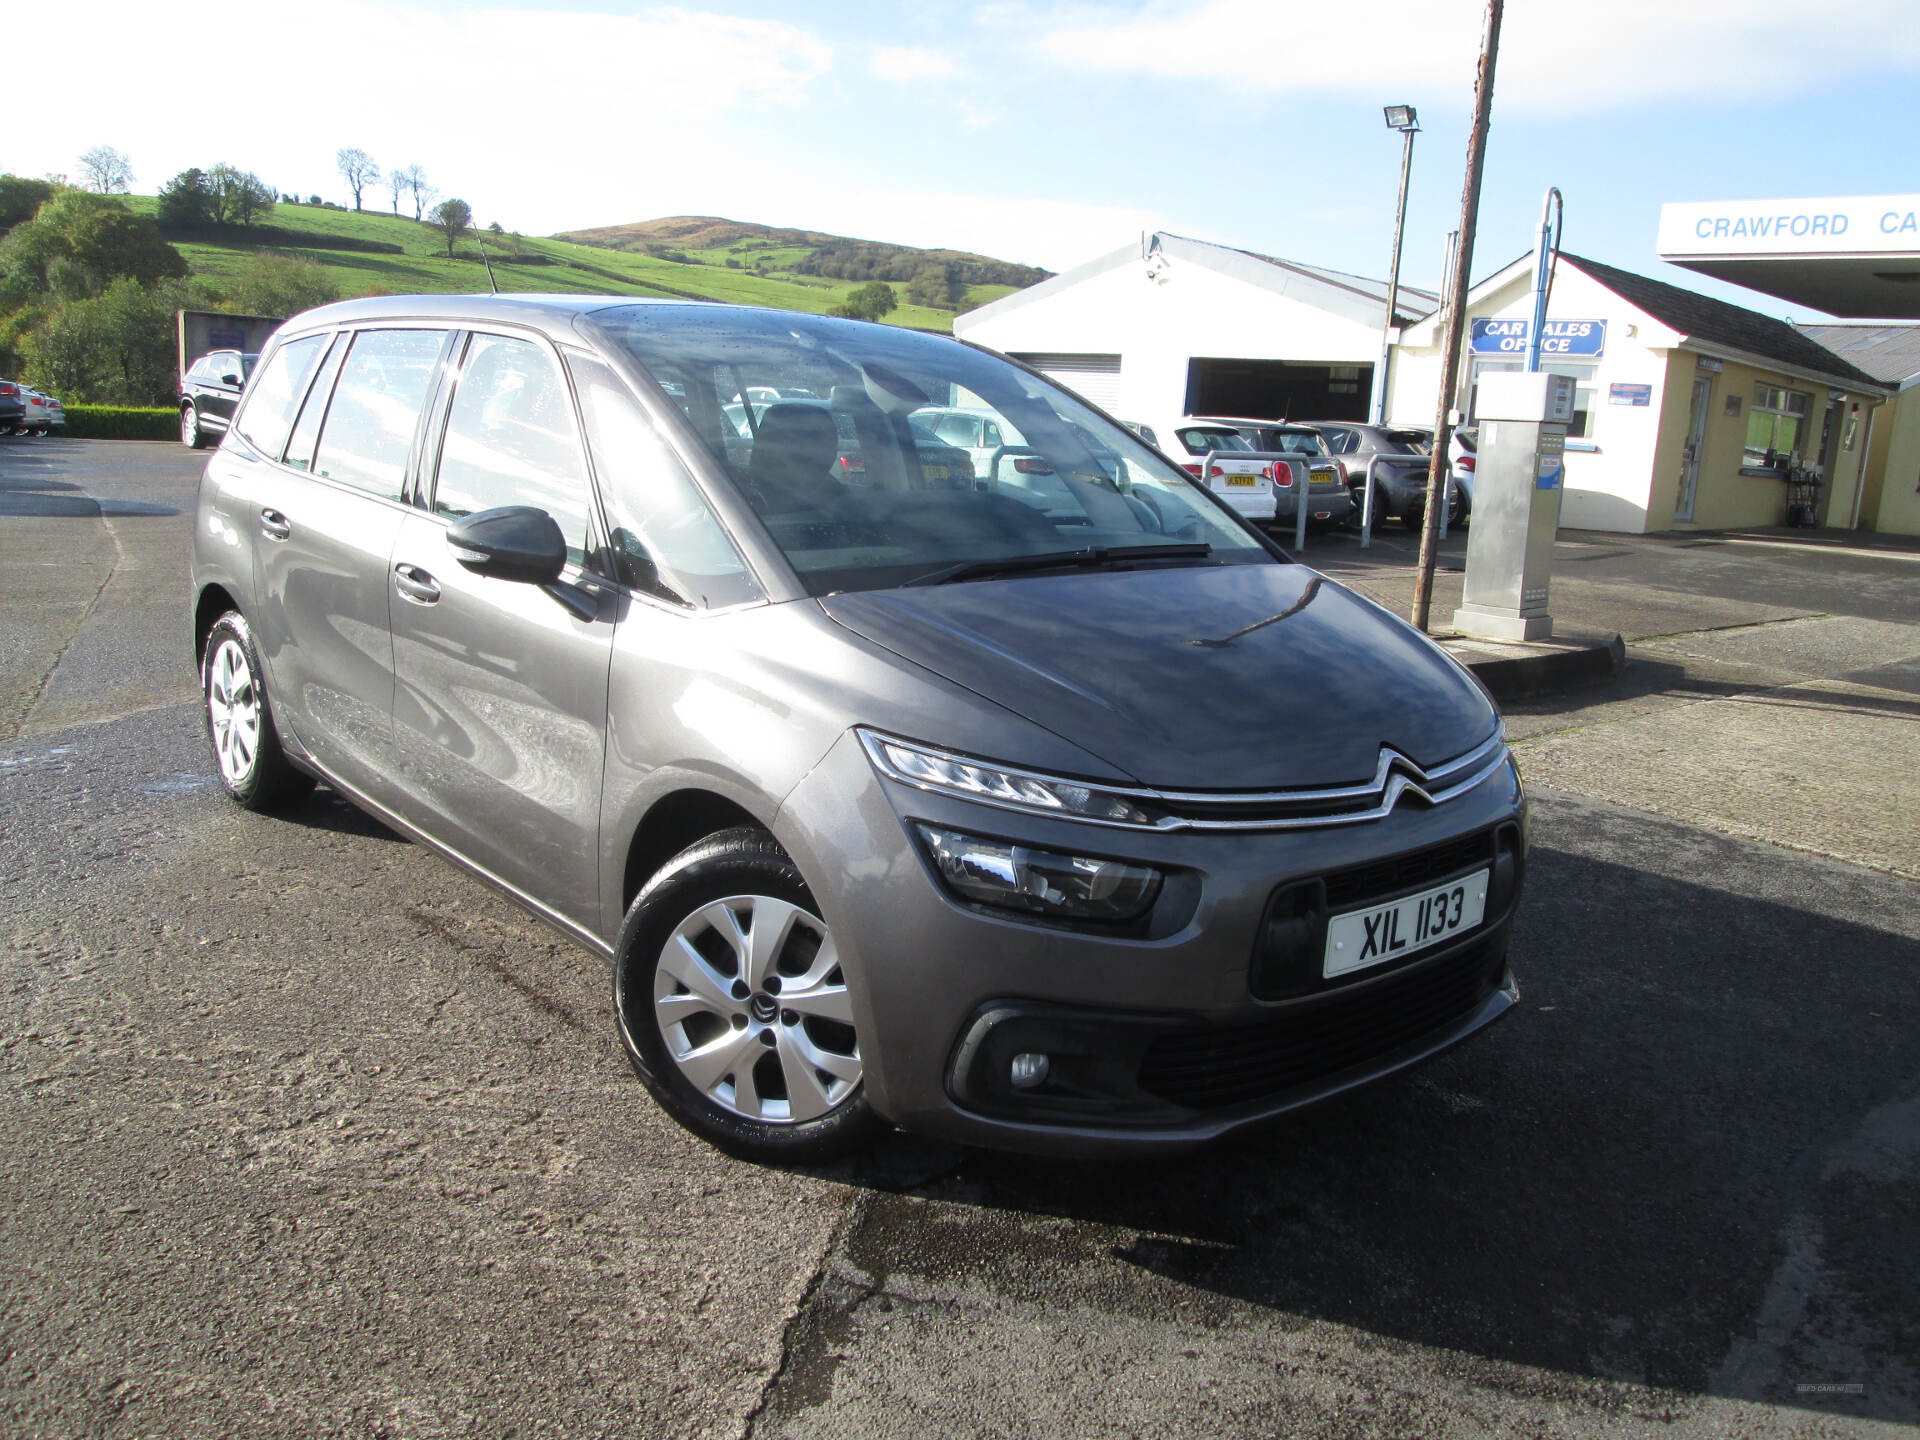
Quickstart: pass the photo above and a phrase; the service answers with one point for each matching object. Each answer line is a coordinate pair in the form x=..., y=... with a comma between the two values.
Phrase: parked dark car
x=13, y=405
x=209, y=393
x=1400, y=478
x=1085, y=821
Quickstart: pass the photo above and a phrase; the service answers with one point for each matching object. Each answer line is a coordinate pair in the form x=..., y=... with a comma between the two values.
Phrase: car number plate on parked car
x=1237, y=481
x=936, y=472
x=1361, y=938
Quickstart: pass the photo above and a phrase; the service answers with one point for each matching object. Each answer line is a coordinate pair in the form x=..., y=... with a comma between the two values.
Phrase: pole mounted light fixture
x=1403, y=119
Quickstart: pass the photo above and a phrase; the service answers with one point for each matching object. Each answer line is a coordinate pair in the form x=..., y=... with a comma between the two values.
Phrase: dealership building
x=1691, y=412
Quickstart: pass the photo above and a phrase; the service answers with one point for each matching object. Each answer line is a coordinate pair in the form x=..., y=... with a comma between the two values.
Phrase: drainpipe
x=1860, y=477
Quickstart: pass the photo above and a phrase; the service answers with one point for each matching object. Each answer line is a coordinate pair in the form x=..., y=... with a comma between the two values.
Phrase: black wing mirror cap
x=512, y=542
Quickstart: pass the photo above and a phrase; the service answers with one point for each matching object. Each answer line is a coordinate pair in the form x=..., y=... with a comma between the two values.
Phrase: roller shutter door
x=1097, y=377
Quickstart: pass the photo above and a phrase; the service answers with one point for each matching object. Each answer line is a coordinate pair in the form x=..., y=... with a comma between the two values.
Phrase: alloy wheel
x=751, y=1002
x=233, y=710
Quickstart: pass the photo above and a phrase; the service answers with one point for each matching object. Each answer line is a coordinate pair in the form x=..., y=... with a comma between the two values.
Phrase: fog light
x=1045, y=882
x=1027, y=1071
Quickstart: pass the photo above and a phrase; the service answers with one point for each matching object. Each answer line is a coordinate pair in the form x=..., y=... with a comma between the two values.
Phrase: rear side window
x=268, y=413
x=511, y=440
x=1204, y=442
x=376, y=406
x=666, y=540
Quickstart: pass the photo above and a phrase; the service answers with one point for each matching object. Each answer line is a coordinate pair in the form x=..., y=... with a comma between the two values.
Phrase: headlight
x=995, y=785
x=1042, y=882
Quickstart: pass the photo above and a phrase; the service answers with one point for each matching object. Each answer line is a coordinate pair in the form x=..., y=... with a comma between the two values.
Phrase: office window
x=1776, y=425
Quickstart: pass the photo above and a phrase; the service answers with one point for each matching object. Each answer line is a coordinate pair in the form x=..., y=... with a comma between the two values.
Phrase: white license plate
x=1362, y=938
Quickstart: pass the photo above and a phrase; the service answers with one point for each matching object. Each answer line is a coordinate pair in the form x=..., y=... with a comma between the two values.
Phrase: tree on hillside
x=936, y=285
x=452, y=218
x=20, y=197
x=868, y=302
x=77, y=244
x=106, y=171
x=281, y=285
x=239, y=196
x=187, y=199
x=422, y=192
x=396, y=187
x=357, y=169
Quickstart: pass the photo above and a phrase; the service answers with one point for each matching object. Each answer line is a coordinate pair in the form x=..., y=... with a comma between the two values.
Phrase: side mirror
x=511, y=542
x=233, y=380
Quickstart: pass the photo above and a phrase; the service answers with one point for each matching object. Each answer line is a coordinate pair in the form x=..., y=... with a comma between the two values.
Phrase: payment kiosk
x=1523, y=418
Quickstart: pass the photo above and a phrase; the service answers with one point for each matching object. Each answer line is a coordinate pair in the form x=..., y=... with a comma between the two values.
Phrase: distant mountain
x=775, y=251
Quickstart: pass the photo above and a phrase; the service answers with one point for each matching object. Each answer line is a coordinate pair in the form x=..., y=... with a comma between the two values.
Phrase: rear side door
x=326, y=531
x=500, y=708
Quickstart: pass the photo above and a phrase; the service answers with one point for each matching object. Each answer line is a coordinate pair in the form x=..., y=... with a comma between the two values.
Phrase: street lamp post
x=1404, y=119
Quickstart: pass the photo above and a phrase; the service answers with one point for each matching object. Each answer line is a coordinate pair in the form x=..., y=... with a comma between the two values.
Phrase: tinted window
x=1340, y=442
x=665, y=539
x=1202, y=442
x=370, y=424
x=269, y=409
x=510, y=439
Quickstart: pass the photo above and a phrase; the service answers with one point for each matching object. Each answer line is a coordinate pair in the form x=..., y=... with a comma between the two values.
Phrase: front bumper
x=1158, y=1037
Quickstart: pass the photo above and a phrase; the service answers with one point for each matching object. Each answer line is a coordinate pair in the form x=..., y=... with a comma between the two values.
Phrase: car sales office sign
x=1562, y=339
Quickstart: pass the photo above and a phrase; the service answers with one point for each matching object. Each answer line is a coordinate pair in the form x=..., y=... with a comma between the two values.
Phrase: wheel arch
x=213, y=602
x=672, y=823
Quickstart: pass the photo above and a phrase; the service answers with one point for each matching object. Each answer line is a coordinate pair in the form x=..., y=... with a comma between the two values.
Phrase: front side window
x=853, y=481
x=665, y=539
x=1775, y=425
x=268, y=414
x=376, y=406
x=510, y=440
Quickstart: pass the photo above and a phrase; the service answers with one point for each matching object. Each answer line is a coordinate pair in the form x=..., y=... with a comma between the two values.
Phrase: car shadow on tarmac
x=1620, y=1181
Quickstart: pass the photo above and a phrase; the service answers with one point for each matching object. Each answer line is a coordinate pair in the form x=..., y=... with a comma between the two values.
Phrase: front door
x=1690, y=454
x=500, y=705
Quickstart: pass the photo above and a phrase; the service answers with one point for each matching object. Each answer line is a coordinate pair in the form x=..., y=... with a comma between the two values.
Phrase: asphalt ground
x=308, y=1133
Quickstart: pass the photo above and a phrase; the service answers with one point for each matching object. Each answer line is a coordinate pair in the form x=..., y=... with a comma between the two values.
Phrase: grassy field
x=541, y=265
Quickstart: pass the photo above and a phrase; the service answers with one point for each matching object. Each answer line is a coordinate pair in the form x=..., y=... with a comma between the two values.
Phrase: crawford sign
x=1562, y=338
x=1845, y=225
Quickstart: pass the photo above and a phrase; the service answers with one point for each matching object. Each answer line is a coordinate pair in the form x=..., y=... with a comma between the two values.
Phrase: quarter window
x=376, y=405
x=306, y=429
x=269, y=409
x=510, y=440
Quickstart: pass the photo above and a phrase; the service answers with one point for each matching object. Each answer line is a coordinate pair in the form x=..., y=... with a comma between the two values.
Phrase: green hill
x=367, y=253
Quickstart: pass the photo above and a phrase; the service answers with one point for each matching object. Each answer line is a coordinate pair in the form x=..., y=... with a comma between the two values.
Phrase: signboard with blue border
x=1630, y=394
x=1586, y=339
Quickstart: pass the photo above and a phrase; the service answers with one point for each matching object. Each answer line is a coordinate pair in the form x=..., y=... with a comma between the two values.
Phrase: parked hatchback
x=1081, y=826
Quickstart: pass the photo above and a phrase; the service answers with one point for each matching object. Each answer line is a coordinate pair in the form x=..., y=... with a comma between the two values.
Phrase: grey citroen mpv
x=1026, y=797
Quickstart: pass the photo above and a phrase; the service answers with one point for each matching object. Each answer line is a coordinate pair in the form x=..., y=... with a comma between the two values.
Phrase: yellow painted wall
x=1896, y=509
x=1729, y=500
x=1674, y=397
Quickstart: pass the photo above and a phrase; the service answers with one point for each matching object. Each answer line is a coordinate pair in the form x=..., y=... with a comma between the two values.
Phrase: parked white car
x=1223, y=459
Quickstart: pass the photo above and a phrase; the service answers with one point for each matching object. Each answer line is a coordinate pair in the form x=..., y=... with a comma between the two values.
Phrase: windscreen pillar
x=1517, y=482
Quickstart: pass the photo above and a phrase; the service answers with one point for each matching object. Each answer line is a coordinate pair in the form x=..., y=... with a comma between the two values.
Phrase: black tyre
x=191, y=435
x=733, y=1007
x=252, y=767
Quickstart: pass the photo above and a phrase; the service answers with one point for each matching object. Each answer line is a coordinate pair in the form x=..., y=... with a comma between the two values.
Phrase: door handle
x=274, y=525
x=415, y=584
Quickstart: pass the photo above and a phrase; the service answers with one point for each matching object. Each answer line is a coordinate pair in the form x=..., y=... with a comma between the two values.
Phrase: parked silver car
x=1072, y=824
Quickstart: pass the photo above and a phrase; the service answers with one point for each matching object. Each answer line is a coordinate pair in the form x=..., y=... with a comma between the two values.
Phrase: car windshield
x=852, y=471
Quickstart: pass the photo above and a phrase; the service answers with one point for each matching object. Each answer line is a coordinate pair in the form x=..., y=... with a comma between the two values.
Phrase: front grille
x=1381, y=878
x=1228, y=1065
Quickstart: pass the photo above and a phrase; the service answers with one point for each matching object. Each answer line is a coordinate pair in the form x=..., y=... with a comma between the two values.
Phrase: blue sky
x=1040, y=132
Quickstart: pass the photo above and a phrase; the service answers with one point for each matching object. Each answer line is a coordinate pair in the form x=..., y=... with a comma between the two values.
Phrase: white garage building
x=1172, y=326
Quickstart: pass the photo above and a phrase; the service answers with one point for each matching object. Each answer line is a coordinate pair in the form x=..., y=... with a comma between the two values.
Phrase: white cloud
x=1554, y=57
x=542, y=119
x=903, y=64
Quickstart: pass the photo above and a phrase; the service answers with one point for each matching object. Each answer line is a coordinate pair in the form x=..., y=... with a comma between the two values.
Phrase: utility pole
x=1456, y=301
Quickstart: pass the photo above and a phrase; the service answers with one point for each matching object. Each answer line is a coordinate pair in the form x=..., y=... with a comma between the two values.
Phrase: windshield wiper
x=1090, y=557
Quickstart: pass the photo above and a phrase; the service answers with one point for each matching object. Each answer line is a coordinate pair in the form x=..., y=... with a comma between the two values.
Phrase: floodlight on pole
x=1404, y=119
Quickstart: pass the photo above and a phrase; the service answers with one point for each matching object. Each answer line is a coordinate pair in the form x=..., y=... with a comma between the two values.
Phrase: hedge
x=123, y=422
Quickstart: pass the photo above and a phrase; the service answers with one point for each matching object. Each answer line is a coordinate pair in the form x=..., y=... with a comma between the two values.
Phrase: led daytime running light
x=933, y=770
